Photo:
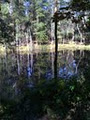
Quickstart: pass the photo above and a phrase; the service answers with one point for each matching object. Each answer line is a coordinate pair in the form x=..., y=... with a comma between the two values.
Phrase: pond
x=41, y=65
x=28, y=90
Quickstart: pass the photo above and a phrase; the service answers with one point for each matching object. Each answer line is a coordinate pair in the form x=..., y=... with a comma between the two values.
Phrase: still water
x=41, y=65
x=28, y=93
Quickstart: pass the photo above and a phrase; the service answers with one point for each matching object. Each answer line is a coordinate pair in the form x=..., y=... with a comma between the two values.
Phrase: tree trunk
x=56, y=42
x=27, y=39
x=52, y=25
x=52, y=59
x=31, y=41
x=18, y=64
x=81, y=36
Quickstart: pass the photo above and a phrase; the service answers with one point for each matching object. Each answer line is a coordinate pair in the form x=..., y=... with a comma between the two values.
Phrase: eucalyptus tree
x=42, y=11
x=82, y=11
x=78, y=12
x=6, y=30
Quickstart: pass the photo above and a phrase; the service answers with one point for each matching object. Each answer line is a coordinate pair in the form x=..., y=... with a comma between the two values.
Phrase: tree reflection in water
x=30, y=96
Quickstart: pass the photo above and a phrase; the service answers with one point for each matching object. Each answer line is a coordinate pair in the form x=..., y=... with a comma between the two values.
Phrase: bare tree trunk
x=6, y=65
x=56, y=41
x=81, y=36
x=18, y=48
x=27, y=37
x=31, y=60
x=28, y=66
x=52, y=58
x=63, y=40
x=52, y=24
x=17, y=37
x=31, y=41
x=18, y=62
x=17, y=30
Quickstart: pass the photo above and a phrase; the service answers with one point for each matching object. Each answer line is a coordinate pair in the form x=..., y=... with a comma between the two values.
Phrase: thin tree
x=56, y=39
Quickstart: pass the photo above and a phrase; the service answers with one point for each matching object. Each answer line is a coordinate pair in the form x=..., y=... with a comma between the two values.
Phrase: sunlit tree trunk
x=73, y=37
x=81, y=36
x=32, y=61
x=18, y=63
x=31, y=41
x=26, y=34
x=17, y=31
x=18, y=48
x=73, y=32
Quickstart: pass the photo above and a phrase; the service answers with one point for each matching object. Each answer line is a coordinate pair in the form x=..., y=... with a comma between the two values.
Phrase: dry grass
x=51, y=47
x=48, y=48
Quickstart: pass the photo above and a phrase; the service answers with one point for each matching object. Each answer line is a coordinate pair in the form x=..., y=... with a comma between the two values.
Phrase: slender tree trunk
x=31, y=41
x=52, y=58
x=63, y=40
x=73, y=33
x=31, y=60
x=52, y=25
x=81, y=36
x=56, y=41
x=18, y=64
x=6, y=65
x=16, y=34
x=28, y=66
x=27, y=39
x=17, y=38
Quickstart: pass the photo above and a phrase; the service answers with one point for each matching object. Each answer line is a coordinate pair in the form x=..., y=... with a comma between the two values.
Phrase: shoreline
x=51, y=47
x=48, y=47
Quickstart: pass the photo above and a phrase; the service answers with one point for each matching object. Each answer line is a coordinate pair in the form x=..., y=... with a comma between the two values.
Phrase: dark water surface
x=28, y=90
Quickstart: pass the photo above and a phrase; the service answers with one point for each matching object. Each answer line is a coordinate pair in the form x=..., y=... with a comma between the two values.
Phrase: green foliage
x=80, y=5
x=5, y=9
x=22, y=98
x=41, y=23
x=54, y=98
x=42, y=37
x=6, y=34
x=39, y=15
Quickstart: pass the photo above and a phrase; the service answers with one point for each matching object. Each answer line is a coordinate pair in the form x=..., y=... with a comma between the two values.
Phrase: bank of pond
x=43, y=47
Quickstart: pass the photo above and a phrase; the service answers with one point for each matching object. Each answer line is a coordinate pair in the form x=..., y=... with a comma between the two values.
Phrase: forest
x=44, y=60
x=32, y=22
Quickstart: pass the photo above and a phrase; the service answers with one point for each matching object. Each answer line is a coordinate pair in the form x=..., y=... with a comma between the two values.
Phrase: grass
x=48, y=48
x=51, y=47
x=2, y=50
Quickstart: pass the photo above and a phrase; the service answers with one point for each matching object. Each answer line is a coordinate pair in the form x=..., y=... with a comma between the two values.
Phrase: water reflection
x=38, y=65
x=28, y=92
x=68, y=70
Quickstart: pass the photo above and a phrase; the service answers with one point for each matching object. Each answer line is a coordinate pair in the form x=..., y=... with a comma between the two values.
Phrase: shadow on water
x=28, y=90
